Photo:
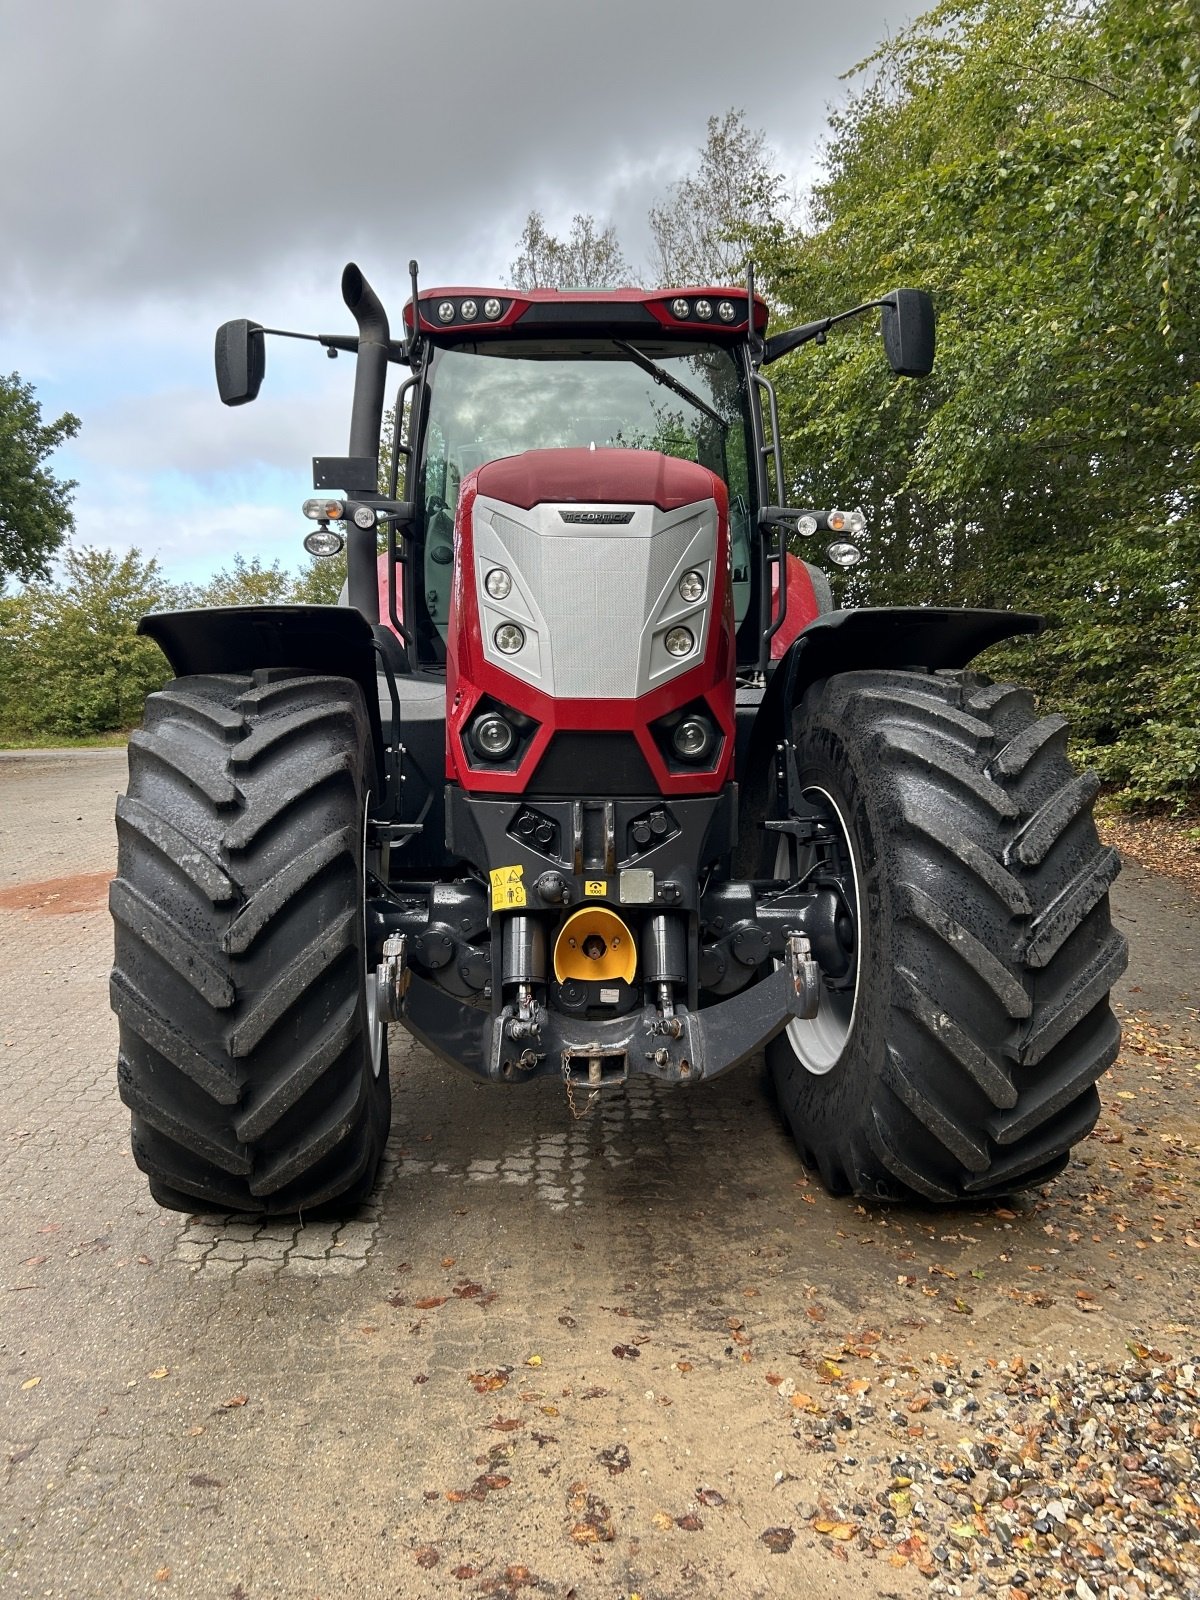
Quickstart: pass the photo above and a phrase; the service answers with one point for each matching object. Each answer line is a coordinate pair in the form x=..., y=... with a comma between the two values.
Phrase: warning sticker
x=595, y=888
x=508, y=891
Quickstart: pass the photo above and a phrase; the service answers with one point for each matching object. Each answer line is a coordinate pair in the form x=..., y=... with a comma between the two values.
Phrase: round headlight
x=498, y=583
x=446, y=311
x=704, y=309
x=509, y=638
x=469, y=310
x=491, y=309
x=679, y=642
x=492, y=736
x=691, y=585
x=323, y=542
x=726, y=311
x=692, y=738
x=680, y=307
x=843, y=554
x=806, y=525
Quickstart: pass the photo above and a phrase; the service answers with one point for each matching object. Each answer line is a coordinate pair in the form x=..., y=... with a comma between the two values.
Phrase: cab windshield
x=488, y=401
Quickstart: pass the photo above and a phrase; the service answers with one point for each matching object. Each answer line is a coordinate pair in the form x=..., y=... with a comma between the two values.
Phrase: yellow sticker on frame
x=595, y=888
x=508, y=891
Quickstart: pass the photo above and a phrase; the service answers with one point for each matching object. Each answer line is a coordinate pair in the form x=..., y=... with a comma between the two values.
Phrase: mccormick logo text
x=607, y=517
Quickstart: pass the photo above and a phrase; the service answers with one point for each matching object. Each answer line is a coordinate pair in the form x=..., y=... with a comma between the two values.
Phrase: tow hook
x=806, y=974
x=392, y=977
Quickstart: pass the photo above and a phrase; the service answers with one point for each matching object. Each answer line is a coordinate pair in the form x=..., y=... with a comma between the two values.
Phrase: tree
x=35, y=506
x=1029, y=163
x=702, y=231
x=246, y=583
x=70, y=659
x=589, y=257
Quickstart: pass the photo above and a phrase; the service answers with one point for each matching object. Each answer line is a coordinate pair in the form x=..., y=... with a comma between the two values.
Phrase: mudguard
x=329, y=639
x=866, y=639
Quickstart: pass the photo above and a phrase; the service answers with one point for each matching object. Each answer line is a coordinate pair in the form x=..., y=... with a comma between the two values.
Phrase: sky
x=167, y=164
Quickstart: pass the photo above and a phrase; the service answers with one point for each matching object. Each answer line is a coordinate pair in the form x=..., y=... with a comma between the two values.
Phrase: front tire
x=963, y=1063
x=254, y=1068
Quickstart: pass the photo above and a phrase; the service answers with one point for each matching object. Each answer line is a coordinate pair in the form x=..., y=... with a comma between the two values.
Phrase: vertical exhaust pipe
x=366, y=421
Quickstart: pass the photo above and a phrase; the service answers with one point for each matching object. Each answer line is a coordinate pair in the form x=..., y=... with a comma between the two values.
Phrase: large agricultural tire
x=251, y=1060
x=959, y=1059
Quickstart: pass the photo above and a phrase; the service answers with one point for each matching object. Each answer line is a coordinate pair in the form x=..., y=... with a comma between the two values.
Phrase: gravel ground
x=641, y=1354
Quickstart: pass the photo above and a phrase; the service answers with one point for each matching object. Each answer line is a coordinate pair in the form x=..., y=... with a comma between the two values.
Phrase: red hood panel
x=620, y=477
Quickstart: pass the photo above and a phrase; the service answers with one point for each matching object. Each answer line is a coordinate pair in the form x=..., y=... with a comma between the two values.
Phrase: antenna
x=414, y=343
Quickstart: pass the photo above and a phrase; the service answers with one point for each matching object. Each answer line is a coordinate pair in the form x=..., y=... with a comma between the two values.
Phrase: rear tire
x=255, y=1072
x=965, y=1066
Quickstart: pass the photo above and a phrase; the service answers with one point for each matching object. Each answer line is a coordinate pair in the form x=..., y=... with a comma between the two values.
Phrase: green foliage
x=70, y=660
x=35, y=506
x=1033, y=163
x=246, y=583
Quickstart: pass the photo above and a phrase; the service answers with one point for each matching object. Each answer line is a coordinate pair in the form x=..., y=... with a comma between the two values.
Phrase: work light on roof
x=704, y=309
x=492, y=309
x=680, y=308
x=469, y=310
x=446, y=311
x=726, y=311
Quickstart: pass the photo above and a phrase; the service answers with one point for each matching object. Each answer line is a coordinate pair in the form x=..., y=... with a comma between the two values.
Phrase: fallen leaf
x=161, y=1372
x=828, y=1371
x=778, y=1540
x=427, y=1557
x=430, y=1302
x=710, y=1497
x=567, y=1322
x=815, y=1313
x=506, y=1424
x=616, y=1458
x=686, y=1366
x=234, y=1401
x=464, y=1572
x=835, y=1530
x=662, y=1521
x=485, y=1382
x=201, y=1480
x=31, y=1383
x=163, y=1575
x=690, y=1522
x=448, y=1262
x=626, y=1352
x=35, y=1261
x=774, y=1379
x=533, y=1361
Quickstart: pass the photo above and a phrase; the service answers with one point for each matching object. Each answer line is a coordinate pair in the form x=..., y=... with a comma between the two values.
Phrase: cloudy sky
x=167, y=164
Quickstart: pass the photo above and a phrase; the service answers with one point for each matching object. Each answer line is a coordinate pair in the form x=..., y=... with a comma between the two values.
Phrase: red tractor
x=588, y=777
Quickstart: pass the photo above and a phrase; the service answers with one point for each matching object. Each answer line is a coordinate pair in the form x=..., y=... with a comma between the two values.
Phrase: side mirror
x=908, y=332
x=241, y=360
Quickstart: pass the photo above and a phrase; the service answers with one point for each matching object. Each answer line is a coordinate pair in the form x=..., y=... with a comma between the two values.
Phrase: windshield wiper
x=670, y=381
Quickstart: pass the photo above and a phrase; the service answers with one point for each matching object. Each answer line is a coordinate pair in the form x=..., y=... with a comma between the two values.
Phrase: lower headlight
x=492, y=736
x=680, y=642
x=692, y=738
x=509, y=638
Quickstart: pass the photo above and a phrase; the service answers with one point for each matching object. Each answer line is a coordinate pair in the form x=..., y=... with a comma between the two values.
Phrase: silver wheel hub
x=818, y=1041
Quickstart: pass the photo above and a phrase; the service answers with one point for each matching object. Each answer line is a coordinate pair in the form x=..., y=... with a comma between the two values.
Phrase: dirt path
x=640, y=1354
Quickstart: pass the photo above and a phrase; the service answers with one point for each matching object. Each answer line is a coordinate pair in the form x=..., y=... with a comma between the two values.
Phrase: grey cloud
x=167, y=150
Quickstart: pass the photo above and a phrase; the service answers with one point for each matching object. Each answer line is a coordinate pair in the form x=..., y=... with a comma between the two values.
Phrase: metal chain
x=593, y=1096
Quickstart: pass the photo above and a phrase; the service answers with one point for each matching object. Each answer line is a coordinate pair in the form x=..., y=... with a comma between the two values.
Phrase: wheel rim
x=818, y=1042
x=375, y=1024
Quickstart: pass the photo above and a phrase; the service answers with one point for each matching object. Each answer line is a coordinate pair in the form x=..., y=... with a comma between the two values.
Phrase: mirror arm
x=782, y=343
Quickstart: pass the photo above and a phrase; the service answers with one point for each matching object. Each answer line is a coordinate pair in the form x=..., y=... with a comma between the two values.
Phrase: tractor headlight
x=498, y=583
x=691, y=585
x=491, y=309
x=726, y=311
x=509, y=638
x=692, y=738
x=446, y=311
x=680, y=642
x=324, y=542
x=492, y=736
x=468, y=310
x=843, y=554
x=680, y=308
x=704, y=309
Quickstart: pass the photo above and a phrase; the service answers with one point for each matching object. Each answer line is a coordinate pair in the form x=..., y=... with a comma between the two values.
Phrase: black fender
x=329, y=639
x=865, y=639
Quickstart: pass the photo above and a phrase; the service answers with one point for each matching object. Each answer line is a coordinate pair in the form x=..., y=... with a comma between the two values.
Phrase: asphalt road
x=551, y=1357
